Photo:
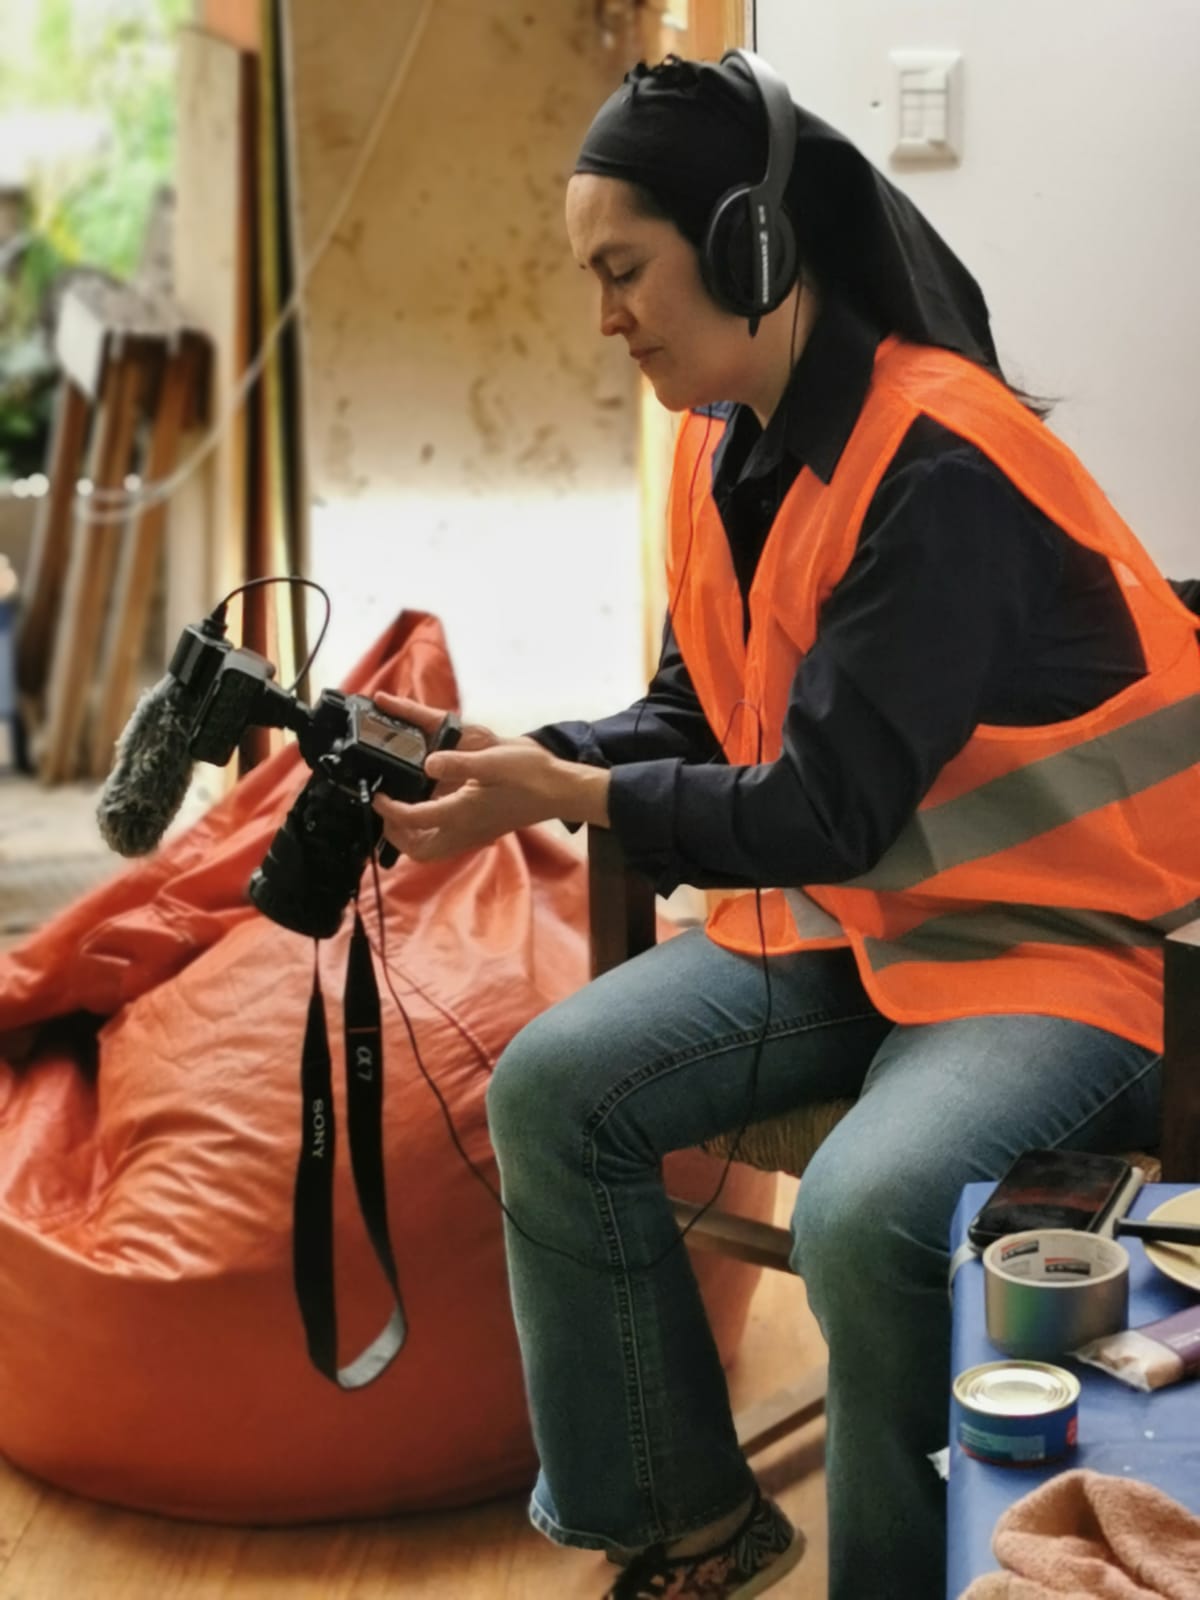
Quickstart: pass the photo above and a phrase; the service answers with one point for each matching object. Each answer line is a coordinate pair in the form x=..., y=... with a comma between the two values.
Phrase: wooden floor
x=56, y=1547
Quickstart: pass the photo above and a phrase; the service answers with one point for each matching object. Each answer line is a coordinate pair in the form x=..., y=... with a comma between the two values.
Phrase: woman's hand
x=486, y=787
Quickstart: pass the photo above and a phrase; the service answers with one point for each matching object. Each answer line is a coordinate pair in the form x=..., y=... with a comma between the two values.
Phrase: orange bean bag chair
x=151, y=1349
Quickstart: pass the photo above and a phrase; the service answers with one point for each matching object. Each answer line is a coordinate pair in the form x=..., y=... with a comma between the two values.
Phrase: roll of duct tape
x=1051, y=1290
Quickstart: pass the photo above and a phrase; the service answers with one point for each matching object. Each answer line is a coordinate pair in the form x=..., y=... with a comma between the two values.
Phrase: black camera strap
x=312, y=1239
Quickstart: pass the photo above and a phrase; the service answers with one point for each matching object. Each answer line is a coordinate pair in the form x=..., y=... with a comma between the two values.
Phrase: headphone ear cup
x=729, y=261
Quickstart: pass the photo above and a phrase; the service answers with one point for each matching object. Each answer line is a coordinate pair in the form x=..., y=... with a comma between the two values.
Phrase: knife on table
x=1159, y=1232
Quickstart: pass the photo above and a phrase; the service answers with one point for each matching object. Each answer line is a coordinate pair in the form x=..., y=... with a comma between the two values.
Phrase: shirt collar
x=819, y=407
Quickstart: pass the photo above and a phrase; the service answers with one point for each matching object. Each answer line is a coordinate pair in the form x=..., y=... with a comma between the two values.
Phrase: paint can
x=1016, y=1413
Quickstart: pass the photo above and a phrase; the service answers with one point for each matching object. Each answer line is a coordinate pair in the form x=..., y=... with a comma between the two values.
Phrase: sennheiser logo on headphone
x=764, y=252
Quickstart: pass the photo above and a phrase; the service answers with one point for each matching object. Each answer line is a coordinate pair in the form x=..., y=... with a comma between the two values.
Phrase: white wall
x=1076, y=204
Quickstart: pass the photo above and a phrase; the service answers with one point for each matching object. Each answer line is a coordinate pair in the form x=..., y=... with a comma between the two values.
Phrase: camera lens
x=315, y=861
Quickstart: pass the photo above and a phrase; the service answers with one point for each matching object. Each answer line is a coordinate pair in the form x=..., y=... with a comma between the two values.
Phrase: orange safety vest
x=1044, y=866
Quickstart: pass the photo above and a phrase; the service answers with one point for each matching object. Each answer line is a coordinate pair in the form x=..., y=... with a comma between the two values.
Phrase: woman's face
x=652, y=295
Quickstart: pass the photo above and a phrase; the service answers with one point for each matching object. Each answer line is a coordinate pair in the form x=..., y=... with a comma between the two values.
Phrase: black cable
x=217, y=619
x=217, y=615
x=380, y=951
x=480, y=1177
x=752, y=1094
x=672, y=604
x=739, y=705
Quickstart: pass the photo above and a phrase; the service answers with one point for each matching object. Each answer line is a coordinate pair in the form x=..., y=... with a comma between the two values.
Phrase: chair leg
x=1180, y=1148
x=760, y=1243
x=783, y=1412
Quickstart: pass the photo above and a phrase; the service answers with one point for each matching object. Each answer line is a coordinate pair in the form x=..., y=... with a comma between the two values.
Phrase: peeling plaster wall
x=471, y=438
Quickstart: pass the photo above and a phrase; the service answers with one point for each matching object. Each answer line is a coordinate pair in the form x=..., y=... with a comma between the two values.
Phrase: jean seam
x=661, y=1067
x=1116, y=1094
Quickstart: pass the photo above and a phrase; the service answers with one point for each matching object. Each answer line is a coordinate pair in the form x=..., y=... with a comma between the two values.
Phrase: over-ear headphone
x=749, y=255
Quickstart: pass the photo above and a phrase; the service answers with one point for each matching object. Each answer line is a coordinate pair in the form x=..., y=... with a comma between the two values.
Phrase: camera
x=312, y=869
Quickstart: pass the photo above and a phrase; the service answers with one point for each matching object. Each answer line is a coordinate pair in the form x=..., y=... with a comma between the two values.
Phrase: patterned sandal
x=763, y=1550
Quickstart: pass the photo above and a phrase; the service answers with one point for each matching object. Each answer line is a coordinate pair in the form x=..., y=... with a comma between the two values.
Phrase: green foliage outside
x=115, y=58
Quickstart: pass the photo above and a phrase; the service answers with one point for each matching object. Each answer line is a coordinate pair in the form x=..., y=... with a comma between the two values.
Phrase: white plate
x=1178, y=1261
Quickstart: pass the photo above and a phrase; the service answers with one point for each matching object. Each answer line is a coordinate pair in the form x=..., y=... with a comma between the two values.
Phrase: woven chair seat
x=787, y=1143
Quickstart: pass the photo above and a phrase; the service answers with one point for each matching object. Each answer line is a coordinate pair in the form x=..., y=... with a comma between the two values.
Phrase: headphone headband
x=750, y=222
x=781, y=125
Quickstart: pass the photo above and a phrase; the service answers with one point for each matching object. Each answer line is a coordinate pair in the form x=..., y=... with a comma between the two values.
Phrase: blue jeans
x=627, y=1396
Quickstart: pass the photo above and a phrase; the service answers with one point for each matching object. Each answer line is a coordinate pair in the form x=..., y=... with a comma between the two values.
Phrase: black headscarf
x=687, y=132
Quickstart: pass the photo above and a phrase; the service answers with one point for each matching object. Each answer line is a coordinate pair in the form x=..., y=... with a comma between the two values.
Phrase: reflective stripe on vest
x=1047, y=793
x=998, y=930
x=1041, y=868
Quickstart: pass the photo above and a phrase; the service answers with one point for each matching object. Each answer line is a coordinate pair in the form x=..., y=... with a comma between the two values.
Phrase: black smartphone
x=1051, y=1189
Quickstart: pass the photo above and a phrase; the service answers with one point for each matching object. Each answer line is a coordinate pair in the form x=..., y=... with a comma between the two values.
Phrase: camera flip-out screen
x=398, y=739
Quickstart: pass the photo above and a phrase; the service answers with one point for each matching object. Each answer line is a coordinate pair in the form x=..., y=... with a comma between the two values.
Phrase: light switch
x=927, y=86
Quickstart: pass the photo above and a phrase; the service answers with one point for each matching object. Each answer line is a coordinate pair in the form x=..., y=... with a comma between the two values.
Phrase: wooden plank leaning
x=95, y=544
x=139, y=561
x=51, y=548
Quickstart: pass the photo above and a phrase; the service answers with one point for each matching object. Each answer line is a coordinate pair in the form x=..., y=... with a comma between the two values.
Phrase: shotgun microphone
x=151, y=772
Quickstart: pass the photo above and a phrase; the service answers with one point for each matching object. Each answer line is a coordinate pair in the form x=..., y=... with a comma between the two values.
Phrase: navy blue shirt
x=963, y=605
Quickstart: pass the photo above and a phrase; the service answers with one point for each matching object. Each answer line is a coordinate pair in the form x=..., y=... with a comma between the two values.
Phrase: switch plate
x=927, y=91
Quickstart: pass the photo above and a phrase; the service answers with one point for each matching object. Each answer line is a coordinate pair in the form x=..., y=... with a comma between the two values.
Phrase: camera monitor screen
x=398, y=739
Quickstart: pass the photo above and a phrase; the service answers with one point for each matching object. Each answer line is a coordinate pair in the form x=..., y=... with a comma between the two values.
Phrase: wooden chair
x=622, y=923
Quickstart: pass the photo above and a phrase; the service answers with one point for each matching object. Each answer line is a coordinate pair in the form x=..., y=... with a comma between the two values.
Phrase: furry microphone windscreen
x=151, y=773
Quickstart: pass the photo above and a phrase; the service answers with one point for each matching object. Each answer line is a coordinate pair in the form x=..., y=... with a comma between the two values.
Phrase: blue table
x=1154, y=1437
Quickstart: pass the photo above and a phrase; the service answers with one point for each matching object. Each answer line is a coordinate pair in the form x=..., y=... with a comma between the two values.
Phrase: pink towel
x=1086, y=1536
